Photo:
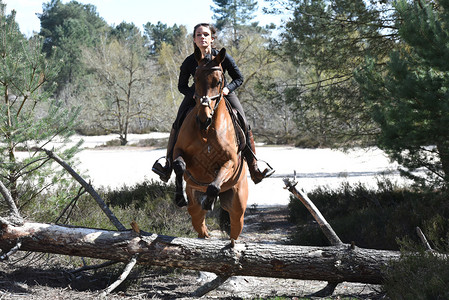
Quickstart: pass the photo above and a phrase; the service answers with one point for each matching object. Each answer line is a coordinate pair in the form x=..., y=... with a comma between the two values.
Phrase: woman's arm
x=230, y=66
x=184, y=77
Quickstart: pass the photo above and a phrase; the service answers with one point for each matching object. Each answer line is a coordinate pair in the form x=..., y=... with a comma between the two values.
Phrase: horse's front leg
x=179, y=166
x=215, y=186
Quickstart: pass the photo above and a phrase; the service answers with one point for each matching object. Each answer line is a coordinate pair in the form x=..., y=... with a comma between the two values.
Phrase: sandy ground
x=115, y=167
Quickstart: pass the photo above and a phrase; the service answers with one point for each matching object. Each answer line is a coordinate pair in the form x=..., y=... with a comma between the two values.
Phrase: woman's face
x=203, y=37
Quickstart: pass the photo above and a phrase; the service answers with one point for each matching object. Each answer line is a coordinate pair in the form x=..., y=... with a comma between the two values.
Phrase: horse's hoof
x=232, y=243
x=180, y=200
x=207, y=203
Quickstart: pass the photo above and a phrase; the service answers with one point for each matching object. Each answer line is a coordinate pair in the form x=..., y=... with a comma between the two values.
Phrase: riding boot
x=250, y=155
x=164, y=172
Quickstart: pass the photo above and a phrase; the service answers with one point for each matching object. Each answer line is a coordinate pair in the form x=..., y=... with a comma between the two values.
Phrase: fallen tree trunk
x=335, y=264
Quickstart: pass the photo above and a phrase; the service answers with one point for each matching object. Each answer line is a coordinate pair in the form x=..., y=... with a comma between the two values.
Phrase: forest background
x=336, y=73
x=339, y=73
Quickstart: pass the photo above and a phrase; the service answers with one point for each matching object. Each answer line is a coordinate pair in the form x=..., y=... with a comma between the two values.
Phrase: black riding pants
x=189, y=103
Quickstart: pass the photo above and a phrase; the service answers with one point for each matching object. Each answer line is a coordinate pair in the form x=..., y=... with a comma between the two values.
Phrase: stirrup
x=257, y=175
x=268, y=171
x=164, y=172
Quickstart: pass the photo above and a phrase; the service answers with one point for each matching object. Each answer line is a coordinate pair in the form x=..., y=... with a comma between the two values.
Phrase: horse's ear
x=198, y=54
x=220, y=56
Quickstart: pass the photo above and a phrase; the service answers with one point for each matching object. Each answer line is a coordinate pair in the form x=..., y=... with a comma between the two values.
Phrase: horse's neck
x=221, y=118
x=223, y=125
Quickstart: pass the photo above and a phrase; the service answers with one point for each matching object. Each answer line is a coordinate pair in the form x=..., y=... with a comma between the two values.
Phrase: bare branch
x=94, y=267
x=13, y=211
x=89, y=189
x=325, y=227
x=122, y=277
x=210, y=286
x=423, y=238
x=12, y=251
x=81, y=191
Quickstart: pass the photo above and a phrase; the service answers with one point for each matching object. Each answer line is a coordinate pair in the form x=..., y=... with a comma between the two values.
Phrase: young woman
x=203, y=38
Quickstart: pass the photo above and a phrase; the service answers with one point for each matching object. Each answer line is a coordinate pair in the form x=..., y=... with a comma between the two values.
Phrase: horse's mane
x=207, y=58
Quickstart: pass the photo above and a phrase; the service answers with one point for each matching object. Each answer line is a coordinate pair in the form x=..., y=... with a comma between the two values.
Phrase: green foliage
x=233, y=13
x=127, y=32
x=408, y=98
x=74, y=36
x=437, y=230
x=67, y=29
x=161, y=33
x=233, y=19
x=418, y=275
x=326, y=41
x=135, y=196
x=150, y=204
x=372, y=218
x=29, y=119
x=172, y=46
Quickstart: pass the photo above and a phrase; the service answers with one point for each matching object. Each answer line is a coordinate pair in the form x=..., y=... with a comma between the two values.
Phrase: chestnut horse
x=206, y=153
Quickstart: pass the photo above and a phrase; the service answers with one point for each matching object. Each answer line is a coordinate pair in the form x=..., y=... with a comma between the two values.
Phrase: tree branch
x=423, y=239
x=88, y=188
x=86, y=268
x=12, y=251
x=210, y=286
x=325, y=227
x=122, y=277
x=14, y=214
x=81, y=191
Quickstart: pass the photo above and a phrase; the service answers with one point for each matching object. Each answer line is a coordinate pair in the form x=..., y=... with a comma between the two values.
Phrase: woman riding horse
x=203, y=37
x=206, y=154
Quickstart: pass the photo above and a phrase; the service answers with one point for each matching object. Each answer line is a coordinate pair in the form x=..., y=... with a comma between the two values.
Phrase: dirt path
x=48, y=279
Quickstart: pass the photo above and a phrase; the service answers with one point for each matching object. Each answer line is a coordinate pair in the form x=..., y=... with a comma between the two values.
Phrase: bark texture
x=334, y=264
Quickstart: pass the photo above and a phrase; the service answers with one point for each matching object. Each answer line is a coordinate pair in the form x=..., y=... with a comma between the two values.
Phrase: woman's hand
x=225, y=91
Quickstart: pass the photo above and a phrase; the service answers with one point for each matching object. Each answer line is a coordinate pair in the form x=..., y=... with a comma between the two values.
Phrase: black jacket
x=188, y=69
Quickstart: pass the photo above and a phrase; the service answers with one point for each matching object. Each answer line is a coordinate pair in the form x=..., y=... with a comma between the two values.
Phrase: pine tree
x=162, y=33
x=233, y=12
x=67, y=30
x=233, y=15
x=409, y=99
x=29, y=119
x=327, y=41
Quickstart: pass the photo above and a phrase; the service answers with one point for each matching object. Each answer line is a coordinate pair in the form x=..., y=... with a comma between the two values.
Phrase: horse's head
x=209, y=83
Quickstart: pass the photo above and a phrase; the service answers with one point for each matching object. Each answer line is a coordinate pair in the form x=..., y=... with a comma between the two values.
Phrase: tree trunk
x=335, y=264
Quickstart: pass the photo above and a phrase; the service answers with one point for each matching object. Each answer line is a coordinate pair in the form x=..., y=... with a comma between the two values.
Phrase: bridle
x=206, y=100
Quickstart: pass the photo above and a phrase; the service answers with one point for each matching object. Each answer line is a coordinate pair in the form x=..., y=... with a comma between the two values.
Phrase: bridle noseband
x=206, y=100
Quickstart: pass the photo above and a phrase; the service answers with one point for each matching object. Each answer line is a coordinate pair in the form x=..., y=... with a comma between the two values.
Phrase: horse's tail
x=224, y=221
